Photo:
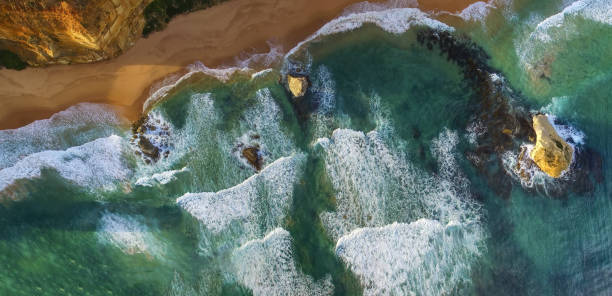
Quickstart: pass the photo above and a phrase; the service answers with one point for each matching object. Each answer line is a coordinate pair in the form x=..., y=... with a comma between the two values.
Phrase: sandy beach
x=213, y=36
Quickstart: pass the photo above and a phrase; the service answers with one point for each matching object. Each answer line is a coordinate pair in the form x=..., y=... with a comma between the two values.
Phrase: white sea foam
x=214, y=153
x=178, y=287
x=74, y=126
x=376, y=185
x=260, y=60
x=424, y=257
x=474, y=131
x=596, y=10
x=537, y=49
x=267, y=267
x=223, y=74
x=160, y=178
x=129, y=234
x=476, y=11
x=570, y=134
x=396, y=21
x=524, y=170
x=264, y=119
x=272, y=187
x=367, y=6
x=98, y=164
x=324, y=92
x=559, y=106
x=261, y=73
x=245, y=65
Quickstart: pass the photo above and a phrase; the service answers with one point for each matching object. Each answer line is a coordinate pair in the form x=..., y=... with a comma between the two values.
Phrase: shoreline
x=214, y=36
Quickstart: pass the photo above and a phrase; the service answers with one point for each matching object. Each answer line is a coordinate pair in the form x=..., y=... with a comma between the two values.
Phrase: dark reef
x=507, y=124
x=150, y=137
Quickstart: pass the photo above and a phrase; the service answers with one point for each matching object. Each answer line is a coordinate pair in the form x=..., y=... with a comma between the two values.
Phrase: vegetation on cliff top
x=160, y=12
x=10, y=60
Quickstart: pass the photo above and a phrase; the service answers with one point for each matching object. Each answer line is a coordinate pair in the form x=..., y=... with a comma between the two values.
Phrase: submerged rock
x=147, y=148
x=151, y=138
x=254, y=157
x=551, y=153
x=297, y=85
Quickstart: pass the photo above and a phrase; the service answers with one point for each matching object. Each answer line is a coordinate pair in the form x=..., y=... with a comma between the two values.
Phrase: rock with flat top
x=551, y=153
x=297, y=85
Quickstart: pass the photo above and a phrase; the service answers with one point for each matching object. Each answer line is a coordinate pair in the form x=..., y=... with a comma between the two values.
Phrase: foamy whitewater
x=267, y=268
x=74, y=126
x=272, y=188
x=393, y=175
x=424, y=257
x=128, y=234
x=99, y=164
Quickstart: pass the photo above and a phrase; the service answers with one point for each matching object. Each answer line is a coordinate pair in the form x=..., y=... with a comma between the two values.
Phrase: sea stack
x=297, y=85
x=551, y=153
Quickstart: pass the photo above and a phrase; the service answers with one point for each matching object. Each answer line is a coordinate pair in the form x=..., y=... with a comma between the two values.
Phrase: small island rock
x=551, y=153
x=297, y=85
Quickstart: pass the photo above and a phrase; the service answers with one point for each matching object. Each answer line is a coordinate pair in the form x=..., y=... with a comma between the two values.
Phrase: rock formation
x=254, y=157
x=506, y=126
x=70, y=31
x=551, y=153
x=298, y=85
x=151, y=138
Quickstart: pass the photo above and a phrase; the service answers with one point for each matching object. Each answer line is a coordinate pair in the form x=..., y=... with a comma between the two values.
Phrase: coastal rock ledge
x=551, y=153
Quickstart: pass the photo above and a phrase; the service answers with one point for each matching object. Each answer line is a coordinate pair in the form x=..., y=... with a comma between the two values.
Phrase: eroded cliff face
x=71, y=31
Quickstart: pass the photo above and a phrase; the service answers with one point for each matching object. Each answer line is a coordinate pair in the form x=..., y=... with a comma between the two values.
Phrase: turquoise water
x=368, y=184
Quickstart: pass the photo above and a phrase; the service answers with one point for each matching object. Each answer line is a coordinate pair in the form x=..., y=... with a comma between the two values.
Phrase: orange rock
x=551, y=153
x=297, y=85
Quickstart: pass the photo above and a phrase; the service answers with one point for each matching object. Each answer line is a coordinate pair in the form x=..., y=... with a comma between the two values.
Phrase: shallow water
x=366, y=186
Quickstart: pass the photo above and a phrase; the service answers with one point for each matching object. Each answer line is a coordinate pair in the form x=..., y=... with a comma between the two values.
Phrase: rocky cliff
x=44, y=32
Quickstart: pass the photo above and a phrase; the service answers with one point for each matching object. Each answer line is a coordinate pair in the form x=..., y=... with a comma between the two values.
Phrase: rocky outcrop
x=500, y=125
x=297, y=85
x=254, y=157
x=551, y=153
x=151, y=138
x=71, y=31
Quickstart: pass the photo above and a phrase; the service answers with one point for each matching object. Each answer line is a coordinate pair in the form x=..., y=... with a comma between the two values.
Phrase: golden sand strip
x=213, y=36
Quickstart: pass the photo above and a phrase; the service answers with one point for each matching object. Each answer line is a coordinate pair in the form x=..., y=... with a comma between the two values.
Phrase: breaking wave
x=267, y=267
x=74, y=126
x=162, y=178
x=380, y=195
x=96, y=165
x=272, y=187
x=395, y=20
x=424, y=257
x=376, y=185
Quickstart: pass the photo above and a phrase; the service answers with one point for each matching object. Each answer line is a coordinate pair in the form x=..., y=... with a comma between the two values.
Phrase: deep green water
x=366, y=187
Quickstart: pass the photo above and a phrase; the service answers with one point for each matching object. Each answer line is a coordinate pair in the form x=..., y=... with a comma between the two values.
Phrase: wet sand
x=214, y=36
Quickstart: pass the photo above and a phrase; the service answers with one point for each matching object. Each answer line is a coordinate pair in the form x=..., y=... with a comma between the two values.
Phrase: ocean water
x=389, y=177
